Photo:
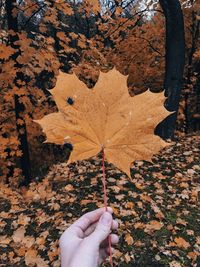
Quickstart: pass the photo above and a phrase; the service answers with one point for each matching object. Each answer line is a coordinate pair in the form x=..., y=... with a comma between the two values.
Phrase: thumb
x=102, y=229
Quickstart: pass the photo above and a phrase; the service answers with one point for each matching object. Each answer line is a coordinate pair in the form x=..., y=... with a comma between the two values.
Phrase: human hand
x=85, y=242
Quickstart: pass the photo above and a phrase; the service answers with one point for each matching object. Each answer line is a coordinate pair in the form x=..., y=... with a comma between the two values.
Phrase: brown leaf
x=193, y=255
x=69, y=187
x=175, y=264
x=181, y=242
x=153, y=226
x=31, y=258
x=18, y=235
x=4, y=240
x=127, y=257
x=129, y=239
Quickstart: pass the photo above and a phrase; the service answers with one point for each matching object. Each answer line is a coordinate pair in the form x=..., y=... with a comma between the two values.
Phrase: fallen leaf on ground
x=181, y=242
x=129, y=239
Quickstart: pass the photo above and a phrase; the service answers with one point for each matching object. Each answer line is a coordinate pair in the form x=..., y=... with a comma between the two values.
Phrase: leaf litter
x=158, y=210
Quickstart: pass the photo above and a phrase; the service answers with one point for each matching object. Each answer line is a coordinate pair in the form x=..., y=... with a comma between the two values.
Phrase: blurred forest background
x=142, y=39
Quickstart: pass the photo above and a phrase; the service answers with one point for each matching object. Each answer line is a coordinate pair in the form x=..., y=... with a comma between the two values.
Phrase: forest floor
x=158, y=210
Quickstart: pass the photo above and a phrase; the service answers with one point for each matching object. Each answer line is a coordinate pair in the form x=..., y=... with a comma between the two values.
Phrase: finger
x=102, y=229
x=84, y=222
x=108, y=251
x=102, y=255
x=115, y=225
x=105, y=253
x=92, y=227
x=114, y=241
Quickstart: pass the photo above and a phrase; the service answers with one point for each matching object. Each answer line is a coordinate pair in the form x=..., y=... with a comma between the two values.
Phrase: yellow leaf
x=105, y=117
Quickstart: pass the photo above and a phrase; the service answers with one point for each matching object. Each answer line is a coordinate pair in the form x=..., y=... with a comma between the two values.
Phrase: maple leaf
x=105, y=117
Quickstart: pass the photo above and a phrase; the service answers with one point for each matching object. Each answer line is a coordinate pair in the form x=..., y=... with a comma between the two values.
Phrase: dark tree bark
x=12, y=24
x=190, y=120
x=175, y=61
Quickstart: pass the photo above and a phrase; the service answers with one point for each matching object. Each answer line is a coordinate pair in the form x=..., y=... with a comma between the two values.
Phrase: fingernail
x=106, y=218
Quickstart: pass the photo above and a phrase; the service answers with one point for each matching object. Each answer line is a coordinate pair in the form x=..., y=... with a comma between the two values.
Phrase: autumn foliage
x=79, y=74
x=85, y=38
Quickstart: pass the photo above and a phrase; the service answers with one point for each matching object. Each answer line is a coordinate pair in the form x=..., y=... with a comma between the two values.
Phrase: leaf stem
x=106, y=201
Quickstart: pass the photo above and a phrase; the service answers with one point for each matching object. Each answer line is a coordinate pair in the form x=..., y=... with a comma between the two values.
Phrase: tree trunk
x=175, y=61
x=12, y=23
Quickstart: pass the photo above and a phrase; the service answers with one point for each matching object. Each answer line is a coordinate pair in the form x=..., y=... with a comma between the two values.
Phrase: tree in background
x=19, y=93
x=86, y=37
x=175, y=61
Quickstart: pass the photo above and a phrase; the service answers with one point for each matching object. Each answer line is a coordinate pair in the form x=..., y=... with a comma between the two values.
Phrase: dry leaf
x=127, y=257
x=119, y=197
x=32, y=258
x=153, y=226
x=181, y=243
x=198, y=240
x=139, y=225
x=18, y=235
x=30, y=255
x=180, y=221
x=129, y=239
x=174, y=264
x=105, y=116
x=192, y=255
x=69, y=187
x=28, y=241
x=4, y=240
x=117, y=254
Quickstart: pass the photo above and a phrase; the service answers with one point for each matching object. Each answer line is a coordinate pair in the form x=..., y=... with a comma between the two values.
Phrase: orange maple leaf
x=105, y=117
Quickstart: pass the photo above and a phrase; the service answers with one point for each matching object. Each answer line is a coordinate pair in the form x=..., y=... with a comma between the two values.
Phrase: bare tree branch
x=34, y=13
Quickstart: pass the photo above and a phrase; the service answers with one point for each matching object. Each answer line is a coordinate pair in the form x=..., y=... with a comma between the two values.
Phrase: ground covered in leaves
x=158, y=211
